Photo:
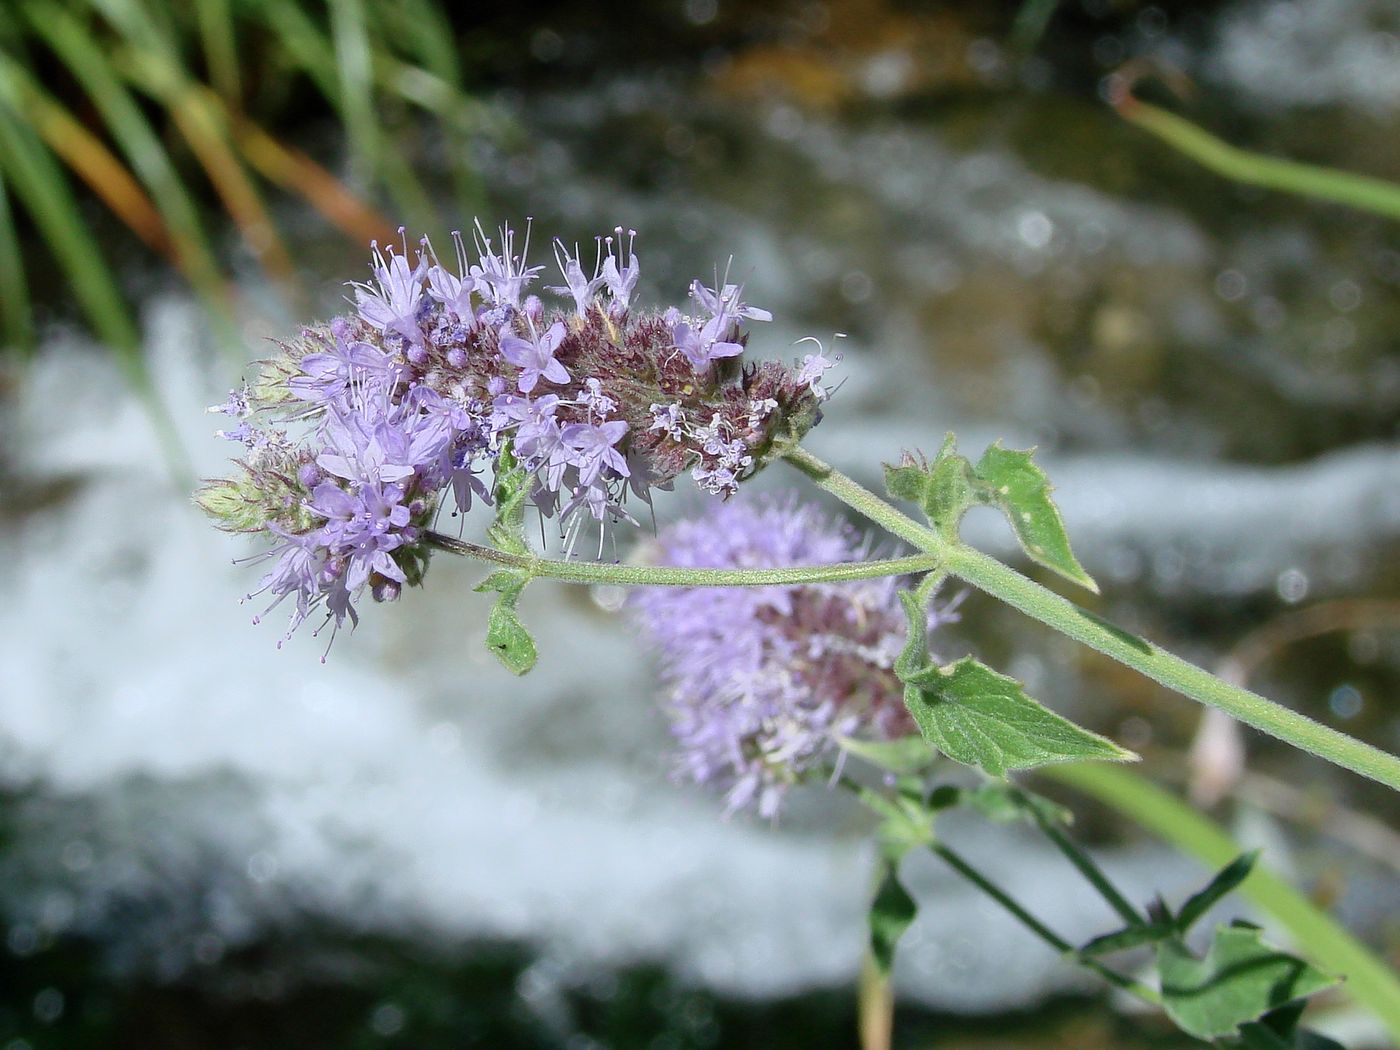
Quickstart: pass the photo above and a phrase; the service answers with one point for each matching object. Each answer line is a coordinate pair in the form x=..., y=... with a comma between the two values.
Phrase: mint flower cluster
x=355, y=433
x=764, y=683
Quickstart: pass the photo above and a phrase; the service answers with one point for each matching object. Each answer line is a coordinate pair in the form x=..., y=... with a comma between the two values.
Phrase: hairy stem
x=989, y=575
x=669, y=576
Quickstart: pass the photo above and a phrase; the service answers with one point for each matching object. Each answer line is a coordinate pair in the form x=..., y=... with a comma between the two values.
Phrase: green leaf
x=950, y=491
x=891, y=912
x=1229, y=877
x=1278, y=1030
x=944, y=489
x=506, y=636
x=908, y=754
x=914, y=656
x=1240, y=980
x=907, y=479
x=981, y=718
x=1128, y=937
x=1011, y=481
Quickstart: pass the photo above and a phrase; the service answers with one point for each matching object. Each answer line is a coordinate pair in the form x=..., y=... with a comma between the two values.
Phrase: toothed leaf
x=506, y=636
x=981, y=718
x=1240, y=980
x=1011, y=481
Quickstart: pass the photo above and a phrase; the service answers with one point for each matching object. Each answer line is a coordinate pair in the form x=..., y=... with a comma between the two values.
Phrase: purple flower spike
x=502, y=279
x=583, y=289
x=535, y=357
x=592, y=448
x=355, y=432
x=454, y=290
x=392, y=303
x=727, y=302
x=622, y=281
x=704, y=346
x=348, y=364
x=763, y=682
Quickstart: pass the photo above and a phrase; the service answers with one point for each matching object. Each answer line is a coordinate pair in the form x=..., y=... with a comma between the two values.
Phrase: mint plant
x=789, y=652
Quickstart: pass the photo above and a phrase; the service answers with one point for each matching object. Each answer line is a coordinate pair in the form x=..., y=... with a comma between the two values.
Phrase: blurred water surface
x=1210, y=373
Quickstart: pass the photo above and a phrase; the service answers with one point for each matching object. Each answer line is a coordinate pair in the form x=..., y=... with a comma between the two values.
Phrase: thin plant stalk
x=1004, y=583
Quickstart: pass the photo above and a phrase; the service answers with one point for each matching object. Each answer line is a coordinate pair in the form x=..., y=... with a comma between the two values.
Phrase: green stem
x=1030, y=922
x=1378, y=196
x=989, y=575
x=668, y=576
x=1091, y=871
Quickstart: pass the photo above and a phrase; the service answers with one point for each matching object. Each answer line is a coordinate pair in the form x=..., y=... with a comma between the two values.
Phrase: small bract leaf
x=1005, y=802
x=908, y=754
x=914, y=656
x=981, y=718
x=891, y=912
x=1229, y=877
x=949, y=493
x=506, y=636
x=1011, y=481
x=1240, y=980
x=906, y=479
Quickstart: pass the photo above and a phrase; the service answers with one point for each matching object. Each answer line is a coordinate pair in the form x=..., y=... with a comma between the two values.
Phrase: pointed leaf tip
x=981, y=718
x=1011, y=480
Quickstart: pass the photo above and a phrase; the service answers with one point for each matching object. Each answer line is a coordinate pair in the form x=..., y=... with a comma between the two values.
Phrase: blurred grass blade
x=203, y=126
x=355, y=79
x=41, y=184
x=1369, y=981
x=219, y=37
x=316, y=56
x=355, y=76
x=295, y=172
x=1031, y=21
x=1309, y=180
x=144, y=151
x=15, y=315
x=424, y=28
x=84, y=153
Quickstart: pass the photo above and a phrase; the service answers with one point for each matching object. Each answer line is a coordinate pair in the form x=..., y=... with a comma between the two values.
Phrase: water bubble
x=387, y=1019
x=984, y=56
x=1292, y=585
x=856, y=287
x=1346, y=701
x=1231, y=285
x=77, y=856
x=546, y=45
x=48, y=1005
x=1345, y=296
x=701, y=12
x=1035, y=229
x=262, y=867
x=445, y=738
x=1364, y=647
x=208, y=949
x=22, y=940
x=1135, y=732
